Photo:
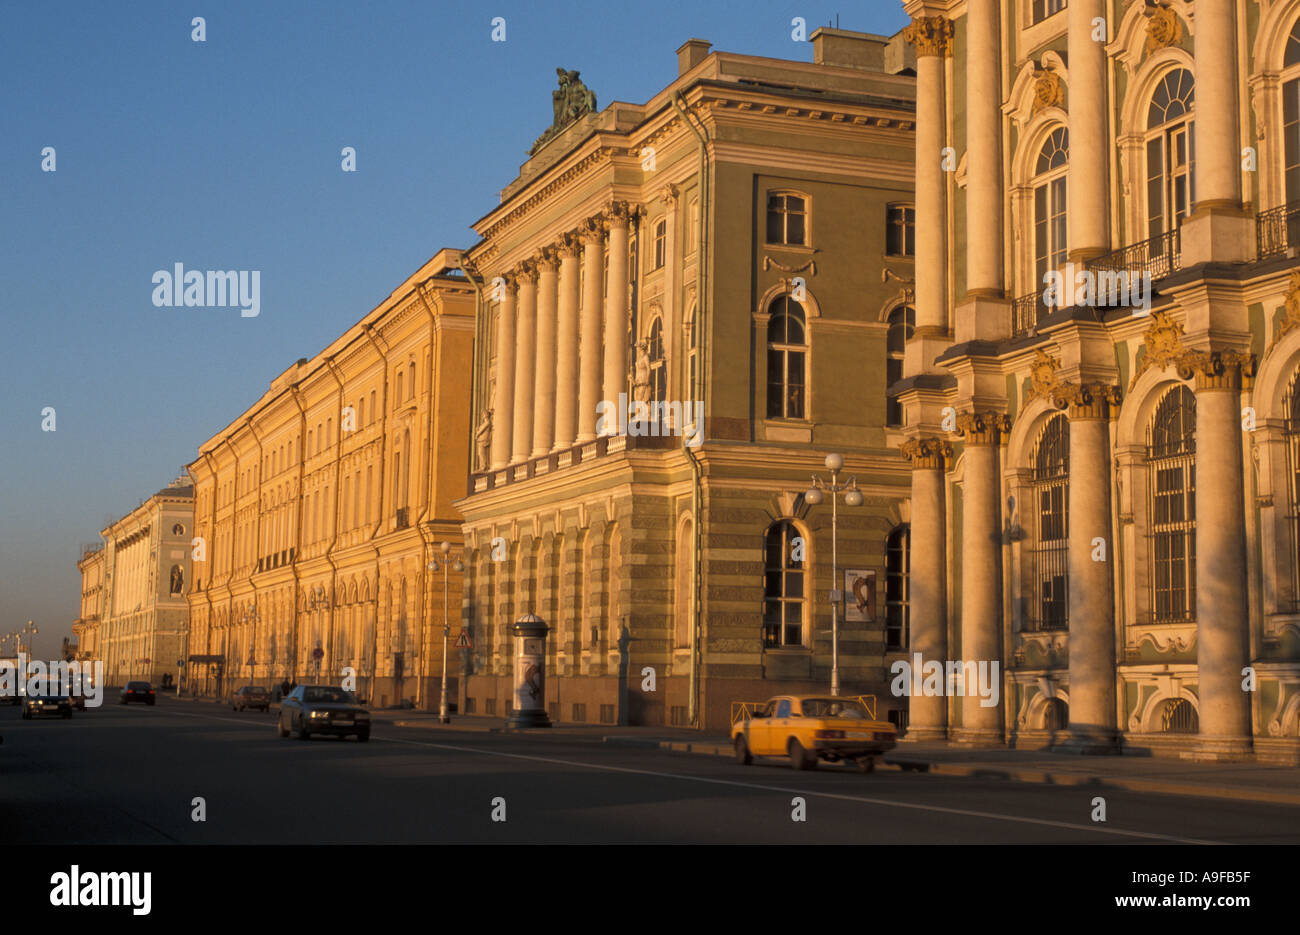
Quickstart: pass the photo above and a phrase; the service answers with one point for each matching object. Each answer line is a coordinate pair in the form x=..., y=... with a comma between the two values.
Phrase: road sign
x=463, y=641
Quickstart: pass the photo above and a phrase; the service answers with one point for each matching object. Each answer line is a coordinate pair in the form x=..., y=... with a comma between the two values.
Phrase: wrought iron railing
x=1158, y=257
x=1026, y=314
x=1277, y=231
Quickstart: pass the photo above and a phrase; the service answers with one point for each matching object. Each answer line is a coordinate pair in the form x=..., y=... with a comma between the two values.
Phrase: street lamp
x=852, y=497
x=33, y=629
x=251, y=616
x=456, y=566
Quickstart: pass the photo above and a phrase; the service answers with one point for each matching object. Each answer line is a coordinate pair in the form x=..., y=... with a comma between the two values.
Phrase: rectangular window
x=786, y=220
x=900, y=231
x=1155, y=187
x=1045, y=8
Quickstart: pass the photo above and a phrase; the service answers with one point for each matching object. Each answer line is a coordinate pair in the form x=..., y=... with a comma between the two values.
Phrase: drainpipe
x=211, y=561
x=481, y=354
x=300, y=526
x=425, y=543
x=368, y=330
x=329, y=557
x=701, y=338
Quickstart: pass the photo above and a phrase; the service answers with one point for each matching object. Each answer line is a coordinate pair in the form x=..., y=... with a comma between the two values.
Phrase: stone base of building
x=1220, y=750
x=924, y=734
x=977, y=737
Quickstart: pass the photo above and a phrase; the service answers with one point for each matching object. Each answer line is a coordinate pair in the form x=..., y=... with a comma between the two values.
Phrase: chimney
x=849, y=49
x=692, y=52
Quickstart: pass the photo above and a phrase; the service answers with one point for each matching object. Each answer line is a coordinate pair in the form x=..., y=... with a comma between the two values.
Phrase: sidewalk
x=1252, y=782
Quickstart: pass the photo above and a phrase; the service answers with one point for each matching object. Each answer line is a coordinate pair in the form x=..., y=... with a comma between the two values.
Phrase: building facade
x=689, y=304
x=320, y=508
x=86, y=627
x=1104, y=478
x=133, y=612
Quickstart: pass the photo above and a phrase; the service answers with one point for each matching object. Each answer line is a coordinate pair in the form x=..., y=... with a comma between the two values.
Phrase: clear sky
x=225, y=155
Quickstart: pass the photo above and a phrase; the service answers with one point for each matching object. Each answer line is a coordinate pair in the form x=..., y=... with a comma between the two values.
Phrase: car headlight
x=320, y=714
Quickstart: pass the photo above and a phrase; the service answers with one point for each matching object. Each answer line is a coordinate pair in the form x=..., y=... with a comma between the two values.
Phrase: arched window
x=1171, y=149
x=1171, y=458
x=410, y=372
x=902, y=322
x=1050, y=200
x=787, y=219
x=1291, y=430
x=1050, y=484
x=1179, y=717
x=897, y=560
x=406, y=468
x=397, y=397
x=658, y=370
x=1291, y=131
x=787, y=353
x=660, y=255
x=783, y=587
x=1056, y=715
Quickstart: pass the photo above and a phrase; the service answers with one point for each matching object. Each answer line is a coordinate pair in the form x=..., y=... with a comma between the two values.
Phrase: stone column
x=544, y=368
x=1092, y=627
x=525, y=334
x=616, y=309
x=932, y=36
x=1086, y=173
x=593, y=275
x=984, y=245
x=1222, y=637
x=504, y=393
x=566, y=347
x=981, y=571
x=927, y=581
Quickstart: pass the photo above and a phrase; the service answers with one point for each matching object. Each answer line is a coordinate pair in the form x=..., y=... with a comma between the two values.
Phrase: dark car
x=137, y=691
x=322, y=709
x=36, y=705
x=78, y=700
x=250, y=696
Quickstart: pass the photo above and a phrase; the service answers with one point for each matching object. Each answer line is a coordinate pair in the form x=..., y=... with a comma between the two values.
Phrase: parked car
x=322, y=709
x=251, y=696
x=137, y=691
x=37, y=705
x=78, y=700
x=809, y=728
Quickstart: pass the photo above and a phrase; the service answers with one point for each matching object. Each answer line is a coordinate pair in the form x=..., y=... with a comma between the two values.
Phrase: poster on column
x=859, y=596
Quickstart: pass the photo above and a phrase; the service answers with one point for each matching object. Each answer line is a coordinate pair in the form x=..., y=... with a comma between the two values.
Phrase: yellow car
x=808, y=728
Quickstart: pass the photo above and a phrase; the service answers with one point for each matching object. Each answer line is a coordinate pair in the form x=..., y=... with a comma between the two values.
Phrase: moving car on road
x=36, y=705
x=322, y=709
x=137, y=691
x=808, y=728
x=251, y=696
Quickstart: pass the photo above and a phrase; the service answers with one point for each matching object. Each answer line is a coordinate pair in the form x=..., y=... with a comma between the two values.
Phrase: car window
x=767, y=709
x=783, y=708
x=296, y=695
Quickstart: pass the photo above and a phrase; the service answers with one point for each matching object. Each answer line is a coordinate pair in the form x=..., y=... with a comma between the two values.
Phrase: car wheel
x=743, y=756
x=363, y=735
x=866, y=764
x=799, y=757
x=280, y=729
x=304, y=732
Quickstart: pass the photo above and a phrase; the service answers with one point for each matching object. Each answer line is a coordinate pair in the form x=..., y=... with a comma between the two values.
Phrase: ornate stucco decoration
x=1049, y=90
x=1043, y=381
x=1163, y=27
x=932, y=35
x=927, y=453
x=908, y=292
x=1164, y=344
x=1291, y=316
x=989, y=427
x=810, y=266
x=572, y=100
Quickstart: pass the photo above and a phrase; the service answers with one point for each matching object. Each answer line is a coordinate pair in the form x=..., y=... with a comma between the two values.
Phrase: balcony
x=1027, y=312
x=1277, y=231
x=1157, y=257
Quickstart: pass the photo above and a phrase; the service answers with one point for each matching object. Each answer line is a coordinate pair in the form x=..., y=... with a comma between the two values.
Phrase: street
x=129, y=775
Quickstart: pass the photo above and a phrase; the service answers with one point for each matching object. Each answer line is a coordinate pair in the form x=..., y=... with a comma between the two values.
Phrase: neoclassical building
x=1104, y=487
x=133, y=611
x=319, y=509
x=690, y=303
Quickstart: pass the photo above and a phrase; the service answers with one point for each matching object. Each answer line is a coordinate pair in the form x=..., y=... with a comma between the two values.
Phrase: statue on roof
x=571, y=100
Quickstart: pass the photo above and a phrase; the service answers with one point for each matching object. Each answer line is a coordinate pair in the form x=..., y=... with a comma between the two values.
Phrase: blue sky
x=225, y=154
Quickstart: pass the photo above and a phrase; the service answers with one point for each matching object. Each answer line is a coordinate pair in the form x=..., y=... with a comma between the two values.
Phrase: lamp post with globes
x=852, y=497
x=458, y=567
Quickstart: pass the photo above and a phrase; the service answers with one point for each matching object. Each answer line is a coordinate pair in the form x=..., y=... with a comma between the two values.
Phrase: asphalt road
x=129, y=776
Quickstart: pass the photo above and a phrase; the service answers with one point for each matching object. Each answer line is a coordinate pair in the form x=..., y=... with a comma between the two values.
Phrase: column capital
x=592, y=230
x=1088, y=400
x=568, y=246
x=1217, y=370
x=618, y=214
x=927, y=453
x=526, y=272
x=989, y=427
x=548, y=258
x=509, y=282
x=932, y=35
x=669, y=195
